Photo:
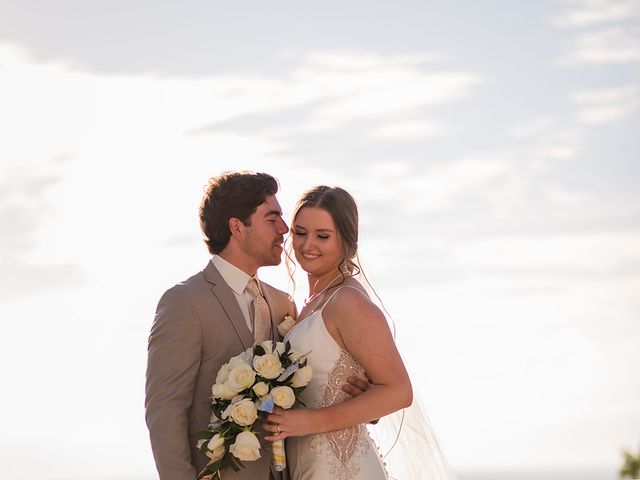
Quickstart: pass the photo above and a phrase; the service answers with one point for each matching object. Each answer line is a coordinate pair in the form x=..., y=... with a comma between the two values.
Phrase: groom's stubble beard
x=265, y=253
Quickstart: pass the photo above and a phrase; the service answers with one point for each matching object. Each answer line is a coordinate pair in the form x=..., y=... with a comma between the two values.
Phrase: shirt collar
x=235, y=278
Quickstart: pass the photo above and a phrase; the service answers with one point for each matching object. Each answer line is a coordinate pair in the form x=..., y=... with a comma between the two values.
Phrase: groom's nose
x=282, y=226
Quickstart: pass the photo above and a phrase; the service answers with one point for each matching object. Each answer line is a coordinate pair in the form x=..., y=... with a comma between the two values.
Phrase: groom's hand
x=355, y=387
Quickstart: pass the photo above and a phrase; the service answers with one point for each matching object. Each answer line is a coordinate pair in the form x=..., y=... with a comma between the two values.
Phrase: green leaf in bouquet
x=203, y=448
x=259, y=350
x=204, y=435
x=235, y=463
x=219, y=406
x=211, y=468
x=233, y=430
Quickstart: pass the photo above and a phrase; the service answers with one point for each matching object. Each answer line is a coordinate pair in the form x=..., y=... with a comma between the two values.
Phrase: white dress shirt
x=237, y=280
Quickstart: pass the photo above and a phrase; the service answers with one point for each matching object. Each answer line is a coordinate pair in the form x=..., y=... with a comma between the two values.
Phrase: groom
x=205, y=320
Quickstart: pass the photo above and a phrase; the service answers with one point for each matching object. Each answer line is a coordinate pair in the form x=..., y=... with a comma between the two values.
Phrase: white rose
x=285, y=325
x=246, y=447
x=215, y=447
x=302, y=377
x=267, y=345
x=279, y=348
x=223, y=391
x=238, y=361
x=227, y=411
x=261, y=389
x=268, y=365
x=294, y=356
x=216, y=442
x=223, y=374
x=241, y=377
x=200, y=443
x=247, y=355
x=216, y=454
x=243, y=412
x=283, y=396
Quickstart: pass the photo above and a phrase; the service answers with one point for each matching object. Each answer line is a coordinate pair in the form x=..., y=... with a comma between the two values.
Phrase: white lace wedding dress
x=347, y=454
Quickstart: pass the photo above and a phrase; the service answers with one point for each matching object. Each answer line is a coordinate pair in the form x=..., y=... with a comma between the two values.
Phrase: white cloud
x=438, y=188
x=119, y=132
x=576, y=254
x=504, y=183
x=13, y=55
x=363, y=60
x=333, y=88
x=563, y=198
x=606, y=104
x=408, y=130
x=534, y=127
x=613, y=45
x=547, y=138
x=593, y=12
x=606, y=32
x=360, y=86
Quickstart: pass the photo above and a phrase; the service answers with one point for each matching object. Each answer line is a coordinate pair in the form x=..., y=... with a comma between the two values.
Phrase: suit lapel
x=227, y=299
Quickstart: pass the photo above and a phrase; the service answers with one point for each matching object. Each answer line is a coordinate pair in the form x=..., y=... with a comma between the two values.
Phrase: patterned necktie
x=261, y=316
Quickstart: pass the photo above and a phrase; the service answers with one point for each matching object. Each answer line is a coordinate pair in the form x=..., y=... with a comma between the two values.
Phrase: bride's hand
x=289, y=423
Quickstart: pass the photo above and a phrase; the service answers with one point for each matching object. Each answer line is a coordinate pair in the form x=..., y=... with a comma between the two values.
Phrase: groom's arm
x=355, y=386
x=173, y=362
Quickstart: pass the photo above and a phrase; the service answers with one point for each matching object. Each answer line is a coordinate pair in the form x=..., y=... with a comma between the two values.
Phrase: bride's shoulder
x=349, y=299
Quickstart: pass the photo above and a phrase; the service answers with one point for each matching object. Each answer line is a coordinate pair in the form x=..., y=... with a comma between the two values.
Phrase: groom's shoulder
x=276, y=291
x=187, y=287
x=281, y=301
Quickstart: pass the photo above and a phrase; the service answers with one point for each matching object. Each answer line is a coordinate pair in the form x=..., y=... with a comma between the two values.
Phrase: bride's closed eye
x=302, y=234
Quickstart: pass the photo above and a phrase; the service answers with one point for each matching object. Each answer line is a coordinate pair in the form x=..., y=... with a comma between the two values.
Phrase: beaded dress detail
x=347, y=454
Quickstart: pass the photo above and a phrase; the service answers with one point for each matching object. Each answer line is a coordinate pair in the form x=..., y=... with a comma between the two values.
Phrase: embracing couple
x=224, y=309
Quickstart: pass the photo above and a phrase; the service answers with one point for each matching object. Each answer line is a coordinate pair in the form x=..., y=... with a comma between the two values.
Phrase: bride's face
x=315, y=241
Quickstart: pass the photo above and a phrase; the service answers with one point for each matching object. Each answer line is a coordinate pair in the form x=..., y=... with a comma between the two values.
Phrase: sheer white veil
x=409, y=446
x=407, y=443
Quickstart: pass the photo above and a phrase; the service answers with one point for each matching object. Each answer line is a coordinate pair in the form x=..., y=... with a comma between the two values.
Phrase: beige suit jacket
x=198, y=326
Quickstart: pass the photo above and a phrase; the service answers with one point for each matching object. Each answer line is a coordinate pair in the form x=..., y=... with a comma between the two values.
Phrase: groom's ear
x=236, y=227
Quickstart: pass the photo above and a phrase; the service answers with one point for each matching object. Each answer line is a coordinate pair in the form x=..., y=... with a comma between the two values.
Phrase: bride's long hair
x=406, y=440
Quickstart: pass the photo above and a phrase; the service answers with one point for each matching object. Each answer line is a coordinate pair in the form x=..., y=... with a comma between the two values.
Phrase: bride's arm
x=361, y=329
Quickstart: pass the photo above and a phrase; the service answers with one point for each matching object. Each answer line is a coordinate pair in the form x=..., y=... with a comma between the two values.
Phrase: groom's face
x=265, y=234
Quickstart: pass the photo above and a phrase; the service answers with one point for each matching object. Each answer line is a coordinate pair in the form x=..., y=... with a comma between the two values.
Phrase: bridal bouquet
x=265, y=375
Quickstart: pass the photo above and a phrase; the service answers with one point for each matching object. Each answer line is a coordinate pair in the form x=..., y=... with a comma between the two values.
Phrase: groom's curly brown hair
x=231, y=195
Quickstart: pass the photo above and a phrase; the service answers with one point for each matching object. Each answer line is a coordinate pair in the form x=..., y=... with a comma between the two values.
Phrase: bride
x=345, y=335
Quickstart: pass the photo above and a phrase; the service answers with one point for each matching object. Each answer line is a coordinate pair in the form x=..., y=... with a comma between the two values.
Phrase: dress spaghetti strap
x=336, y=291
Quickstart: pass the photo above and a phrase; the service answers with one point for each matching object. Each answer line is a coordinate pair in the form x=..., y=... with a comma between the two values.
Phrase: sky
x=492, y=147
